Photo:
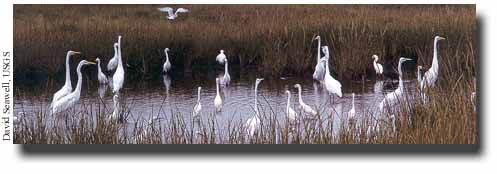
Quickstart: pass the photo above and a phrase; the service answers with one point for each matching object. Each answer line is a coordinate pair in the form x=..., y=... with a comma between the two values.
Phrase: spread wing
x=182, y=10
x=167, y=10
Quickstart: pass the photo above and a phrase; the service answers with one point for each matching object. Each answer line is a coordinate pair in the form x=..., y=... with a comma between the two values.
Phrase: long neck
x=120, y=61
x=226, y=67
x=80, y=81
x=300, y=94
x=68, y=71
x=401, y=83
x=217, y=87
x=353, y=101
x=434, y=64
x=255, y=103
x=167, y=56
x=419, y=76
x=99, y=69
x=288, y=103
x=198, y=96
x=327, y=66
x=319, y=52
x=116, y=53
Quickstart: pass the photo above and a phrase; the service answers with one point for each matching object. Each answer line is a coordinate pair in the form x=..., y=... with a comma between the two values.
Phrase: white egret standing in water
x=218, y=102
x=170, y=14
x=221, y=57
x=397, y=96
x=253, y=123
x=102, y=79
x=70, y=99
x=167, y=64
x=304, y=107
x=377, y=66
x=319, y=71
x=290, y=113
x=67, y=88
x=332, y=86
x=225, y=80
x=118, y=78
x=198, y=107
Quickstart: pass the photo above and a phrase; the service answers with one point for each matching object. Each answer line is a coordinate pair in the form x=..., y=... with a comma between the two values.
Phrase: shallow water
x=161, y=97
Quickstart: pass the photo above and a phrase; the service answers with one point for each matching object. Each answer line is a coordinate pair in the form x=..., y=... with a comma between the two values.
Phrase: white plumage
x=319, y=70
x=377, y=66
x=67, y=88
x=167, y=64
x=397, y=96
x=351, y=113
x=225, y=80
x=218, y=102
x=115, y=112
x=253, y=123
x=290, y=113
x=170, y=14
x=332, y=86
x=118, y=78
x=431, y=75
x=70, y=99
x=198, y=107
x=102, y=79
x=304, y=107
x=113, y=61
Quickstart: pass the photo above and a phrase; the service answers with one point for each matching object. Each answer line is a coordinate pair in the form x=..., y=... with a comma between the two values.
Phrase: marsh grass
x=273, y=40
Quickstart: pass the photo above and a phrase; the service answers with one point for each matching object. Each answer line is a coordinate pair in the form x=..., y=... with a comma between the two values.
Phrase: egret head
x=222, y=51
x=420, y=68
x=375, y=57
x=116, y=45
x=317, y=37
x=199, y=88
x=297, y=86
x=71, y=52
x=437, y=38
x=166, y=50
x=258, y=80
x=217, y=80
x=288, y=92
x=97, y=60
x=403, y=59
x=119, y=37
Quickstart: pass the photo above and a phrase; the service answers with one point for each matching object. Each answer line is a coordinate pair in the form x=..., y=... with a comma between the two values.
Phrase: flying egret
x=431, y=75
x=221, y=57
x=397, y=96
x=67, y=88
x=290, y=113
x=304, y=107
x=70, y=99
x=167, y=64
x=112, y=64
x=332, y=86
x=218, y=102
x=170, y=14
x=351, y=113
x=377, y=66
x=198, y=106
x=118, y=78
x=319, y=71
x=102, y=79
x=253, y=123
x=225, y=80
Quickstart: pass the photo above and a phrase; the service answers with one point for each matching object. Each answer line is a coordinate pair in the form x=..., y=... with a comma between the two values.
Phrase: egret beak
x=92, y=63
x=408, y=59
x=76, y=52
x=442, y=38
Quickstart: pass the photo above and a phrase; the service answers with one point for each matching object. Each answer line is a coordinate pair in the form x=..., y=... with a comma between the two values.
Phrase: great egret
x=304, y=107
x=377, y=67
x=221, y=57
x=198, y=106
x=167, y=64
x=102, y=79
x=67, y=88
x=118, y=78
x=253, y=123
x=397, y=96
x=70, y=99
x=170, y=14
x=218, y=102
x=290, y=113
x=431, y=75
x=113, y=61
x=319, y=71
x=332, y=86
x=351, y=113
x=225, y=80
